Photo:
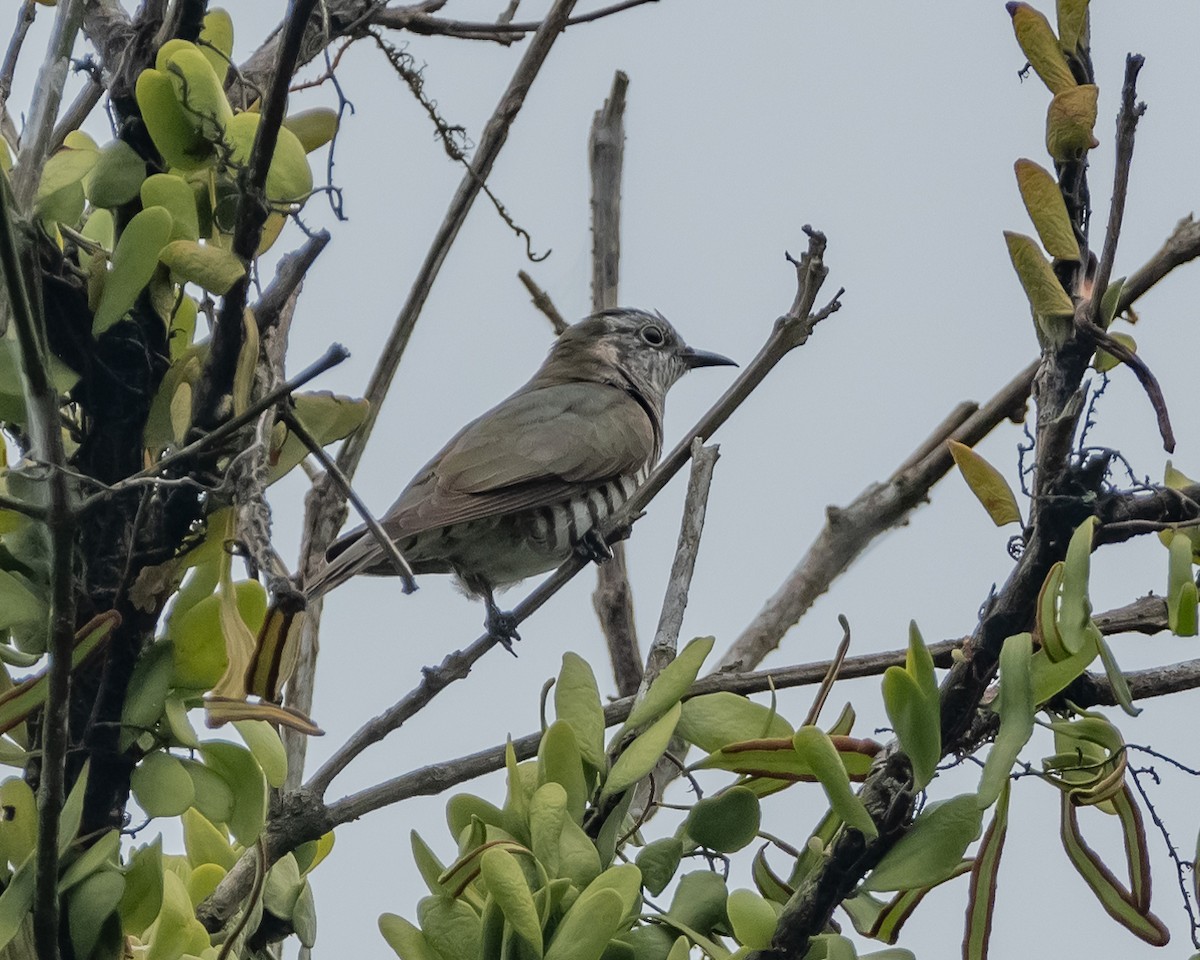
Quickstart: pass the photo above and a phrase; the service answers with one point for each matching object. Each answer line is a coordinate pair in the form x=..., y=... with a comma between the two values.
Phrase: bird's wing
x=536, y=448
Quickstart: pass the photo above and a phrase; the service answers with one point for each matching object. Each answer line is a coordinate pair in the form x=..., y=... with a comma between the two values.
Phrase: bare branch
x=403, y=570
x=417, y=21
x=848, y=530
x=613, y=597
x=79, y=110
x=679, y=583
x=494, y=135
x=1127, y=119
x=542, y=301
x=1182, y=246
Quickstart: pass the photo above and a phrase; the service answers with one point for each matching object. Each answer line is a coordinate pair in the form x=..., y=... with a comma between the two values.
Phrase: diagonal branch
x=849, y=530
x=495, y=133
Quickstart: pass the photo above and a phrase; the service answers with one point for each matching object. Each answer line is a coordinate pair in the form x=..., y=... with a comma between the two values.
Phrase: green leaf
x=407, y=940
x=103, y=853
x=16, y=901
x=204, y=843
x=19, y=826
x=89, y=906
x=547, y=814
x=60, y=196
x=640, y=757
x=238, y=768
x=451, y=927
x=1041, y=47
x=752, y=918
x=506, y=883
x=699, y=901
x=1070, y=122
x=577, y=702
x=161, y=785
x=584, y=934
x=289, y=177
x=117, y=176
x=933, y=848
x=1044, y=201
x=462, y=807
x=910, y=697
x=171, y=128
x=1116, y=679
x=263, y=741
x=217, y=41
x=1109, y=303
x=313, y=128
x=981, y=901
x=1105, y=361
x=815, y=747
x=134, y=261
x=1181, y=587
x=559, y=761
x=208, y=266
x=1075, y=608
x=175, y=194
x=214, y=797
x=143, y=894
x=1015, y=705
x=71, y=815
x=714, y=720
x=658, y=861
x=670, y=686
x=147, y=697
x=727, y=821
x=986, y=482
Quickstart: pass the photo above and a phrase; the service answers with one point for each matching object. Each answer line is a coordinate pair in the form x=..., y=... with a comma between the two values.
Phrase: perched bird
x=518, y=489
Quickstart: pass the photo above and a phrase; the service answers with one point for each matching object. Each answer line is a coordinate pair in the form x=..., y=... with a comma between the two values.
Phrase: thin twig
x=679, y=583
x=790, y=331
x=332, y=357
x=34, y=511
x=831, y=675
x=541, y=300
x=1182, y=246
x=418, y=22
x=386, y=544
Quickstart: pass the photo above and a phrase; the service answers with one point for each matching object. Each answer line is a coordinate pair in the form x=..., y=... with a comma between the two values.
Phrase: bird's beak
x=704, y=358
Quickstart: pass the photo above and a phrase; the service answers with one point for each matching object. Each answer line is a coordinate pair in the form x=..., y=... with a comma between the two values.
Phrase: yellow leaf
x=313, y=128
x=1051, y=305
x=1072, y=23
x=1044, y=201
x=210, y=267
x=1040, y=46
x=1070, y=121
x=986, y=483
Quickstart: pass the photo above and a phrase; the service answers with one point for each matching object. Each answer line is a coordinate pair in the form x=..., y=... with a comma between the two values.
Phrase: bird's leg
x=591, y=546
x=501, y=624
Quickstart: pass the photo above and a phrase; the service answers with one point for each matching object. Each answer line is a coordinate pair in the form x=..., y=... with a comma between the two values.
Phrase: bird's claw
x=501, y=625
x=593, y=547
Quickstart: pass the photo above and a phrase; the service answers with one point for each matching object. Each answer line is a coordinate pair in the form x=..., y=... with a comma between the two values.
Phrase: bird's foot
x=593, y=547
x=502, y=625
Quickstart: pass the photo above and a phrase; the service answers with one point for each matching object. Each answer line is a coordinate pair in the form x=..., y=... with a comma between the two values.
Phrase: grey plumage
x=515, y=490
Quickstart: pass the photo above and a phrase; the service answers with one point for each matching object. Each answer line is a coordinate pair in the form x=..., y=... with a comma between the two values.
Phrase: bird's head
x=627, y=347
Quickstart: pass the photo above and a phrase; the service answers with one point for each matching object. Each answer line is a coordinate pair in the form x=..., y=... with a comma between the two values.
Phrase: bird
x=522, y=486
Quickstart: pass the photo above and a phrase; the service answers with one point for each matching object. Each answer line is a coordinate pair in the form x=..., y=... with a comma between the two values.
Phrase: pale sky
x=893, y=128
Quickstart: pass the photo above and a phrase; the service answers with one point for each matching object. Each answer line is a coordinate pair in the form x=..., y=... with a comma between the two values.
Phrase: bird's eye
x=653, y=335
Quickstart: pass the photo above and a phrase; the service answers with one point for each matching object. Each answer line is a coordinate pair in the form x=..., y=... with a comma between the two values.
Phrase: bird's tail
x=355, y=553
